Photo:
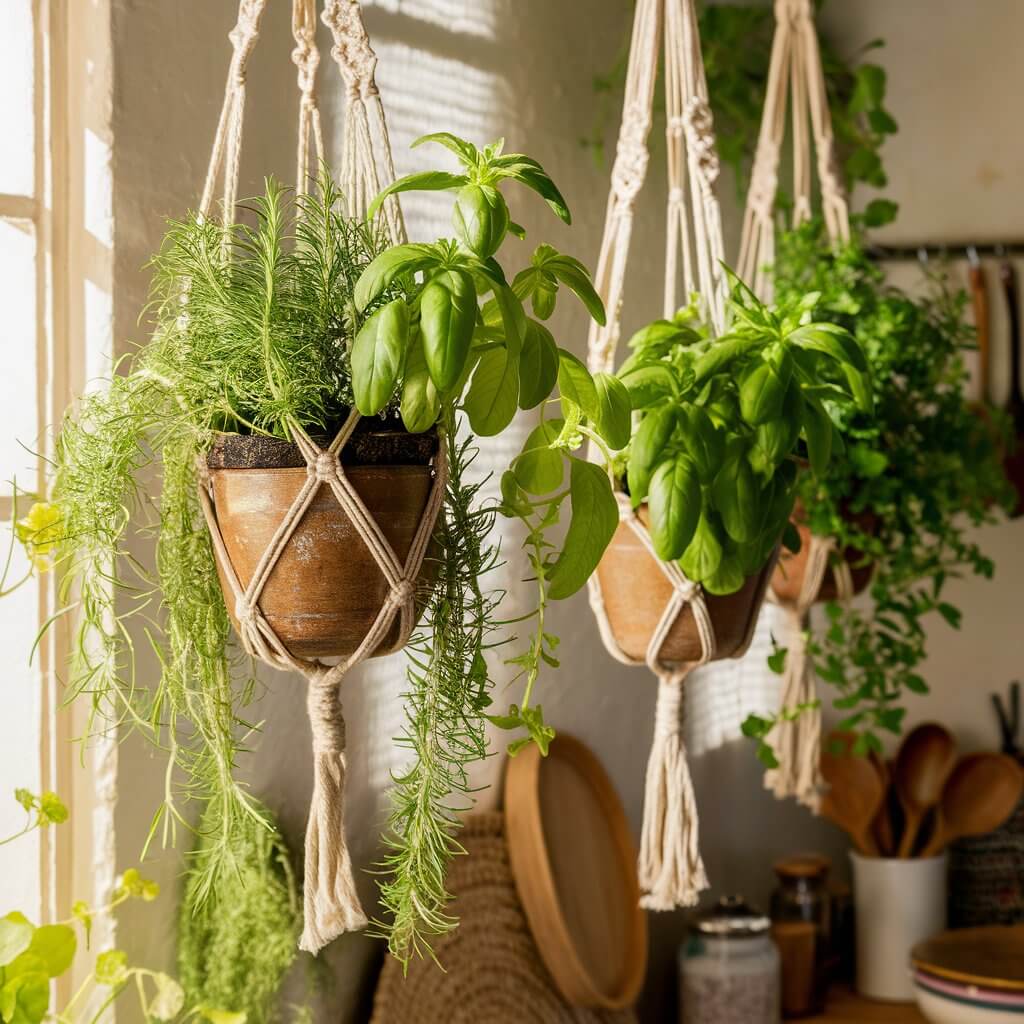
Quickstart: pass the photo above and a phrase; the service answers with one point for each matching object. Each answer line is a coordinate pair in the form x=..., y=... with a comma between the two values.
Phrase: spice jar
x=729, y=967
x=801, y=929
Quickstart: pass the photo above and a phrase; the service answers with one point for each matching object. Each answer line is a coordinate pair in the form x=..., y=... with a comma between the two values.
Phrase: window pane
x=17, y=116
x=18, y=417
x=19, y=738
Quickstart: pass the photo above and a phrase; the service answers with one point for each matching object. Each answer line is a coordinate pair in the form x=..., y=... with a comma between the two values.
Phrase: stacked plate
x=971, y=976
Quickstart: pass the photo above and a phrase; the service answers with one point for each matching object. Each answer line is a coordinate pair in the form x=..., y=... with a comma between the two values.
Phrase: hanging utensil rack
x=1010, y=249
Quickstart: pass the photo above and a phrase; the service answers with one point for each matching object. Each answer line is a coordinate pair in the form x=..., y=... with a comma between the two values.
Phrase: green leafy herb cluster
x=721, y=422
x=252, y=329
x=454, y=345
x=918, y=474
x=736, y=41
x=32, y=956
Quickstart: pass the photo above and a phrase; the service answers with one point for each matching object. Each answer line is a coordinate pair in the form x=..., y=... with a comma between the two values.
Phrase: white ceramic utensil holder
x=898, y=904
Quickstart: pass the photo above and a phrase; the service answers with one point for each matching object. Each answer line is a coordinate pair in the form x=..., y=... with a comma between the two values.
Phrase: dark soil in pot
x=636, y=592
x=326, y=589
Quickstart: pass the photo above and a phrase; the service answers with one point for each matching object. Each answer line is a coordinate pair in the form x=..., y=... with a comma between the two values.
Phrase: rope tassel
x=670, y=868
x=331, y=901
x=797, y=742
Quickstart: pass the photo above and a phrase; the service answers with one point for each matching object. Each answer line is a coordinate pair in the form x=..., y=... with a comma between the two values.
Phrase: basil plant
x=449, y=336
x=725, y=425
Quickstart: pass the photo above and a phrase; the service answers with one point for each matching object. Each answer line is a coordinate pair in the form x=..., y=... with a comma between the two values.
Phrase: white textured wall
x=523, y=69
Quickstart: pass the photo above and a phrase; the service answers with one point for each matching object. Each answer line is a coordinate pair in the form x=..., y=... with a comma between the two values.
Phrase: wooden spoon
x=882, y=826
x=855, y=791
x=923, y=764
x=980, y=795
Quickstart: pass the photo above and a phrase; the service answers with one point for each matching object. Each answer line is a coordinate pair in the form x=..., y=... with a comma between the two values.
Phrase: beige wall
x=523, y=69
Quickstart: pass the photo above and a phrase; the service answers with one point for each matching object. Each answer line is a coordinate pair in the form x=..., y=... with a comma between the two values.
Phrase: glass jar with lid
x=801, y=928
x=729, y=967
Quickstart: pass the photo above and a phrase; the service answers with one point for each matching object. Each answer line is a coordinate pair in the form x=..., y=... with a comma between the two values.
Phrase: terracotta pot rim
x=375, y=442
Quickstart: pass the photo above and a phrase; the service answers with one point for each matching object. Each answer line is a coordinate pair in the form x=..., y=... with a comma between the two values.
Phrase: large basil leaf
x=576, y=384
x=704, y=553
x=491, y=401
x=738, y=499
x=595, y=517
x=704, y=442
x=612, y=419
x=480, y=218
x=818, y=434
x=540, y=468
x=674, y=503
x=832, y=340
x=422, y=181
x=762, y=392
x=378, y=353
x=647, y=448
x=538, y=365
x=648, y=384
x=526, y=170
x=728, y=576
x=420, y=400
x=389, y=265
x=447, y=319
x=719, y=355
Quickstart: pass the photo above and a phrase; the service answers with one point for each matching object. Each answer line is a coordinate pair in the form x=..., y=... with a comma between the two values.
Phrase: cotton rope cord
x=795, y=75
x=493, y=972
x=331, y=901
x=670, y=869
x=795, y=72
x=796, y=742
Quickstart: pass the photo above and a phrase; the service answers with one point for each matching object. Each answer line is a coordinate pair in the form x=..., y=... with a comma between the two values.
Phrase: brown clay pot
x=326, y=589
x=788, y=578
x=636, y=591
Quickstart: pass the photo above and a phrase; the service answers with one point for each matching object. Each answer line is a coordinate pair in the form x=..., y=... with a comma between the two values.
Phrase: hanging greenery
x=736, y=43
x=918, y=475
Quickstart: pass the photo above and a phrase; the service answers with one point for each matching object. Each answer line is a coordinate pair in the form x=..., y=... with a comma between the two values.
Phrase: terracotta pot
x=789, y=572
x=326, y=589
x=636, y=592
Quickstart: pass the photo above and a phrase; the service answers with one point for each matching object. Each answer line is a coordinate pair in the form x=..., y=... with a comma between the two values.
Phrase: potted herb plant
x=267, y=335
x=712, y=467
x=917, y=475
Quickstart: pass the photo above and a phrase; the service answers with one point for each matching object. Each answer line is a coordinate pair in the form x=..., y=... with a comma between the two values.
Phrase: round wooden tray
x=575, y=871
x=992, y=956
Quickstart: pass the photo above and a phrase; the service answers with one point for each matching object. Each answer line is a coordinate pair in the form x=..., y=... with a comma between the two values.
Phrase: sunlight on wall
x=456, y=16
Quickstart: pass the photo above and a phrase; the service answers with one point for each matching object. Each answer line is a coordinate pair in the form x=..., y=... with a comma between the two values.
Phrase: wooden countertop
x=845, y=1007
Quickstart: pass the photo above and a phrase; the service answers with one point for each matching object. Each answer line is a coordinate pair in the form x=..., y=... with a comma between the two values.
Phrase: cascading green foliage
x=918, y=474
x=455, y=343
x=251, y=334
x=736, y=44
x=722, y=422
x=236, y=942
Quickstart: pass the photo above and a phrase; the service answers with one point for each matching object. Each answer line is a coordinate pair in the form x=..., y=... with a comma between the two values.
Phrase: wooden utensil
x=882, y=826
x=1009, y=719
x=981, y=794
x=992, y=956
x=924, y=762
x=1013, y=463
x=855, y=791
x=979, y=300
x=574, y=865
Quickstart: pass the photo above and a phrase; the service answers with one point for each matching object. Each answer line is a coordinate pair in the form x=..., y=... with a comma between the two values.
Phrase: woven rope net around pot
x=671, y=871
x=493, y=972
x=796, y=82
x=331, y=902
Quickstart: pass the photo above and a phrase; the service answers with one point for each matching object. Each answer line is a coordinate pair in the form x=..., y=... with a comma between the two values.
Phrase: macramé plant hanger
x=684, y=627
x=818, y=572
x=331, y=903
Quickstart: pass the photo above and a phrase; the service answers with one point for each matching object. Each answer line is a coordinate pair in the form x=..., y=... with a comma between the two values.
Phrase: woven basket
x=493, y=973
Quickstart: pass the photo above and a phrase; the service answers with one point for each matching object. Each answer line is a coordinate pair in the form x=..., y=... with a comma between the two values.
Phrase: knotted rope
x=796, y=741
x=670, y=867
x=794, y=71
x=331, y=900
x=795, y=74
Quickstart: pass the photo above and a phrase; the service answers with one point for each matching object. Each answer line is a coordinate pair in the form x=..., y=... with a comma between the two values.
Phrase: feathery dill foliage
x=235, y=950
x=251, y=333
x=445, y=703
